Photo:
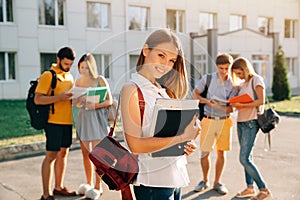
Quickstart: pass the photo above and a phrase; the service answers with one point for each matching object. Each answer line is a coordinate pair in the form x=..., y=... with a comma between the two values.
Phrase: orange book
x=244, y=98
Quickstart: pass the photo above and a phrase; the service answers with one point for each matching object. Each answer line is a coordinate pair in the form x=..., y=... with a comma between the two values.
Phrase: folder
x=244, y=98
x=170, y=118
x=96, y=94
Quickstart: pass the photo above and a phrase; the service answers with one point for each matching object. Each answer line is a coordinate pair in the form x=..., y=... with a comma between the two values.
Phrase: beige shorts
x=215, y=132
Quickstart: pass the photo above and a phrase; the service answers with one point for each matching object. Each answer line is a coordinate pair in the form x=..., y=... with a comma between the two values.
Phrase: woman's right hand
x=192, y=130
x=79, y=102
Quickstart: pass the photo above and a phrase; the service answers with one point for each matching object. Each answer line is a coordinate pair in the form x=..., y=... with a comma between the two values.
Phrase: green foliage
x=280, y=87
x=14, y=120
x=291, y=106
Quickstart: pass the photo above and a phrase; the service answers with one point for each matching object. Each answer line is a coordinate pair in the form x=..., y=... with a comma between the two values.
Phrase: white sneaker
x=93, y=194
x=83, y=188
x=220, y=188
x=201, y=186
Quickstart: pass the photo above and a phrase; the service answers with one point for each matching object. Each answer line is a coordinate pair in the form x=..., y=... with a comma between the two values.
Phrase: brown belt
x=216, y=118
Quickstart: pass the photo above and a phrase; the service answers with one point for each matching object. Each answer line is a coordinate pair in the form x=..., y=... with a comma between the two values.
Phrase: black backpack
x=203, y=94
x=39, y=114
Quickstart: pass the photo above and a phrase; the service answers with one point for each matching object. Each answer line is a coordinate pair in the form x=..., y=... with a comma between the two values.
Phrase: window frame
x=102, y=69
x=291, y=64
x=210, y=22
x=261, y=66
x=108, y=21
x=201, y=64
x=291, y=30
x=143, y=28
x=240, y=22
x=7, y=66
x=133, y=59
x=51, y=57
x=179, y=20
x=268, y=27
x=56, y=14
x=5, y=14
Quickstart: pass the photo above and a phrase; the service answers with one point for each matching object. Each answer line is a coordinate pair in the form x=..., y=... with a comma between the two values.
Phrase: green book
x=96, y=94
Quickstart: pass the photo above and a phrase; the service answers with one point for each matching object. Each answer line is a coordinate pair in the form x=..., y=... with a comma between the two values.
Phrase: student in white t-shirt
x=251, y=83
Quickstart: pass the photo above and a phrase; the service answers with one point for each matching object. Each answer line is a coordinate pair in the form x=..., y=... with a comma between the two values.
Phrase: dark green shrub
x=280, y=87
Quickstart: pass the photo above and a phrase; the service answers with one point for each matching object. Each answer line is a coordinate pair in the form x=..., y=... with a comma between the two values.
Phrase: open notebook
x=93, y=94
x=170, y=117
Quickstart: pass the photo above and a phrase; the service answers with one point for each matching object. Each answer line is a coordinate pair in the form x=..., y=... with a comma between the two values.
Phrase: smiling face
x=159, y=60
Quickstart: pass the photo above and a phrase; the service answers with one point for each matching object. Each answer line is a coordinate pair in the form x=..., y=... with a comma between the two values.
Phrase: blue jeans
x=154, y=193
x=247, y=132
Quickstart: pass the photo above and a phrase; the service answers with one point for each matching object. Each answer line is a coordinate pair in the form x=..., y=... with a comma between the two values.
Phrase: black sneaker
x=64, y=192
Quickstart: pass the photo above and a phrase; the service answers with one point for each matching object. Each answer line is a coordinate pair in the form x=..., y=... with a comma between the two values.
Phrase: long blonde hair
x=243, y=64
x=175, y=81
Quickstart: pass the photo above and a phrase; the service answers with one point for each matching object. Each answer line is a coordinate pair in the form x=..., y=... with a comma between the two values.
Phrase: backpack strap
x=126, y=192
x=208, y=80
x=53, y=85
x=141, y=105
x=267, y=135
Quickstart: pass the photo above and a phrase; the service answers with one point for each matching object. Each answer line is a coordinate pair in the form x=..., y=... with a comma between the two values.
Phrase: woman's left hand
x=190, y=148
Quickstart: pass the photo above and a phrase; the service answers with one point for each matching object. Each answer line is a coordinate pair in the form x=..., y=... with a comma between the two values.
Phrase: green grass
x=288, y=106
x=15, y=127
x=14, y=120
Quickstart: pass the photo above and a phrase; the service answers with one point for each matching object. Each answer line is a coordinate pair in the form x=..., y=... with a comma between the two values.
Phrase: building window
x=200, y=66
x=7, y=66
x=51, y=12
x=236, y=22
x=175, y=20
x=6, y=10
x=137, y=18
x=291, y=64
x=290, y=28
x=206, y=21
x=104, y=64
x=260, y=64
x=133, y=59
x=265, y=25
x=46, y=60
x=98, y=15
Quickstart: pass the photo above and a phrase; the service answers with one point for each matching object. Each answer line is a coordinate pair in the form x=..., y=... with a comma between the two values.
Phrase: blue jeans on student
x=154, y=193
x=247, y=132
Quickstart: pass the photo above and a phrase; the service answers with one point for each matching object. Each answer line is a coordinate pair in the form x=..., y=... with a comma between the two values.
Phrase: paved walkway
x=21, y=180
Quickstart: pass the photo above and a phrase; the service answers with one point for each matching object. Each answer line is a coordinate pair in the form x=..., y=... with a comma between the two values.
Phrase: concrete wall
x=28, y=39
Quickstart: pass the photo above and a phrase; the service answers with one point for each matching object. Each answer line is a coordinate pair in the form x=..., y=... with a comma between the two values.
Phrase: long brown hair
x=175, y=81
